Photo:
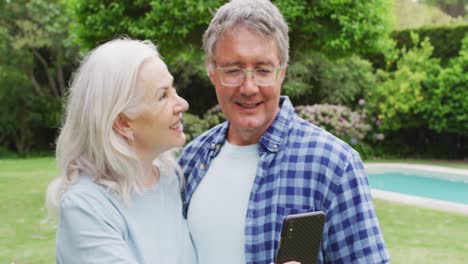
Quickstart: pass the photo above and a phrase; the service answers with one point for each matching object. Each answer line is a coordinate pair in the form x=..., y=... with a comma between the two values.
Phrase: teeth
x=176, y=126
x=249, y=105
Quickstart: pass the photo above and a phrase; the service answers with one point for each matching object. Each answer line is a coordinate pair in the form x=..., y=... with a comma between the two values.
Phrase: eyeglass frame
x=245, y=71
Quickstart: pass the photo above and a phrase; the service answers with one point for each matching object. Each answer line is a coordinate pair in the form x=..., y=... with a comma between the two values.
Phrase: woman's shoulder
x=87, y=201
x=87, y=194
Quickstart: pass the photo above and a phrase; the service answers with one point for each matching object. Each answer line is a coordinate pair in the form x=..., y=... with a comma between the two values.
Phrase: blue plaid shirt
x=302, y=168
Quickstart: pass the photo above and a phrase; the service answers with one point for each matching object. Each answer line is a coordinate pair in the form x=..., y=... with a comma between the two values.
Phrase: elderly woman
x=117, y=194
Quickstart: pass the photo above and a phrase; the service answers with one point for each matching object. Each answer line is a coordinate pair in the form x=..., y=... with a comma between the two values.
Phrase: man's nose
x=249, y=87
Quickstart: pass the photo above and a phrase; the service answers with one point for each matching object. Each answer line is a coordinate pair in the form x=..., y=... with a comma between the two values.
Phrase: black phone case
x=301, y=236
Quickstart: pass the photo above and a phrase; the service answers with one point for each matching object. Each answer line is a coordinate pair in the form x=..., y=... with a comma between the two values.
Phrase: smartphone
x=301, y=235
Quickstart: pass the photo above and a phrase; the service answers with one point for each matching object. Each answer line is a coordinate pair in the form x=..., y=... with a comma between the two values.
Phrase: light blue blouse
x=96, y=227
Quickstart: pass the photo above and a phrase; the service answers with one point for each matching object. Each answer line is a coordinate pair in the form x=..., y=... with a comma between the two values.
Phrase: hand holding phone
x=301, y=236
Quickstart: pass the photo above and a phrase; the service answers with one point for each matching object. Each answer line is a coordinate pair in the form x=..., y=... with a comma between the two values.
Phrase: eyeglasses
x=234, y=76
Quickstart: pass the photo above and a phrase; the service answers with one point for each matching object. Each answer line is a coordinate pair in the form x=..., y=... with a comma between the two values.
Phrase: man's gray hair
x=258, y=15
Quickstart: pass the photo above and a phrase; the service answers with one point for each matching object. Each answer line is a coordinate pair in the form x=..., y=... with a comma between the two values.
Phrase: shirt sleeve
x=354, y=234
x=85, y=234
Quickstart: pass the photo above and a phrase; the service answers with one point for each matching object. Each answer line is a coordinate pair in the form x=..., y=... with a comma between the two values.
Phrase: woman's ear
x=122, y=126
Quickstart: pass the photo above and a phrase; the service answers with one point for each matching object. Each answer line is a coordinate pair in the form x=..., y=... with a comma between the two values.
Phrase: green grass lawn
x=25, y=238
x=416, y=235
x=412, y=234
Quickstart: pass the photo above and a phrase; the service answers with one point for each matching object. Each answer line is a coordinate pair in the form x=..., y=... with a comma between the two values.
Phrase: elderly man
x=245, y=175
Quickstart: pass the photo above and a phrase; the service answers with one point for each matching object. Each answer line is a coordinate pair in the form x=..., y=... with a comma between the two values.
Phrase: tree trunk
x=35, y=84
x=45, y=65
x=59, y=65
x=61, y=81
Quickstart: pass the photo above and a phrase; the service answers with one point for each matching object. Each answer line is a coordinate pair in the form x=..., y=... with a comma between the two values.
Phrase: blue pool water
x=436, y=186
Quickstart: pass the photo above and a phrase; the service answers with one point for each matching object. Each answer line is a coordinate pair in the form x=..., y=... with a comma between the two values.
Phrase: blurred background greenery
x=399, y=67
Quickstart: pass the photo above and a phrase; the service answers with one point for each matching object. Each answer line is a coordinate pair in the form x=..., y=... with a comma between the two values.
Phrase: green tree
x=334, y=27
x=35, y=61
x=340, y=27
x=314, y=78
x=447, y=105
x=398, y=99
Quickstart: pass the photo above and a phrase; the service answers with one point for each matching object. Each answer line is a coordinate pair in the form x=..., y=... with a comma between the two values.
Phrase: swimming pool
x=434, y=185
x=422, y=185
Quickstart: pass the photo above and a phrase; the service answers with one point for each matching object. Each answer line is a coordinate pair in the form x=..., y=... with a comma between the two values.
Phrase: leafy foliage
x=35, y=61
x=447, y=105
x=335, y=27
x=214, y=116
x=438, y=37
x=398, y=98
x=195, y=126
x=340, y=27
x=314, y=78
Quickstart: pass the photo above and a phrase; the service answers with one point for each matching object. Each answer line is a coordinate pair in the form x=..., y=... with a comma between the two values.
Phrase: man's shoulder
x=305, y=135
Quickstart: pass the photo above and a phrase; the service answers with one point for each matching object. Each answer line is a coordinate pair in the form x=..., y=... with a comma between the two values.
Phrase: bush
x=446, y=41
x=338, y=120
x=214, y=116
x=421, y=143
x=446, y=109
x=28, y=121
x=193, y=126
x=398, y=99
x=315, y=79
x=438, y=38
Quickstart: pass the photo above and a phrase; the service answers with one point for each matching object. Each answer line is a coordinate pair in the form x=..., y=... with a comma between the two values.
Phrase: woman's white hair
x=103, y=87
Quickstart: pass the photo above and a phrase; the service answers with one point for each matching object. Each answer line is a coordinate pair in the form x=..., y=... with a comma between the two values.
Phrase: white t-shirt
x=218, y=207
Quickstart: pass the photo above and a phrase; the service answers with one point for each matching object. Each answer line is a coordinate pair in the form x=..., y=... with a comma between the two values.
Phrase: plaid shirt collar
x=274, y=136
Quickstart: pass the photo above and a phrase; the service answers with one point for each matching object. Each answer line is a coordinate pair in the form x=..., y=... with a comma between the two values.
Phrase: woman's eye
x=164, y=95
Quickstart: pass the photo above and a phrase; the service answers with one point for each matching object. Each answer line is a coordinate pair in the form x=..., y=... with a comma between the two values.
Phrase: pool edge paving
x=417, y=200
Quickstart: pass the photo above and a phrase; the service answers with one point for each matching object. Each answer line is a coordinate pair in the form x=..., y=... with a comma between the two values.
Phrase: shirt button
x=202, y=166
x=213, y=145
x=275, y=147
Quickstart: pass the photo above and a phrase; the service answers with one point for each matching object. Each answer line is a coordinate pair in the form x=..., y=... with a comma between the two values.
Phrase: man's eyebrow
x=267, y=62
x=230, y=64
x=240, y=64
